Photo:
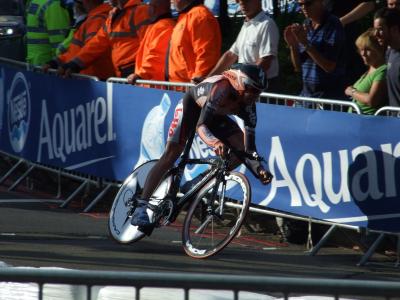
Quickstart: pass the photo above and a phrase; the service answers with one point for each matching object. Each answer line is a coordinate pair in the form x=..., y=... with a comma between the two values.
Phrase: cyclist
x=205, y=108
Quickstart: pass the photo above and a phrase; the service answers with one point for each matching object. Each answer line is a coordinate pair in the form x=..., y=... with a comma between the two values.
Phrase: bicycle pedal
x=165, y=223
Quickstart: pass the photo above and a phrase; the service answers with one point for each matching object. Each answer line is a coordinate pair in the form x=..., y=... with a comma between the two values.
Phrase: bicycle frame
x=177, y=172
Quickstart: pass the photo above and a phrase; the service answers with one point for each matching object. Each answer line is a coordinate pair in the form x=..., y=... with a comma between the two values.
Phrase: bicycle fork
x=210, y=203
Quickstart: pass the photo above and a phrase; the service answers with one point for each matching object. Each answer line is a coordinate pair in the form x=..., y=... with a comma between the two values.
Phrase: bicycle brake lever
x=256, y=157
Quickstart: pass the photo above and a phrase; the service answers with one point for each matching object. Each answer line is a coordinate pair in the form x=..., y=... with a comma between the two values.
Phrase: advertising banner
x=81, y=125
x=327, y=165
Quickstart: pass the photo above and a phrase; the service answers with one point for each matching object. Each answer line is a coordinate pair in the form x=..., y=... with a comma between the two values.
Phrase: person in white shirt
x=268, y=6
x=257, y=43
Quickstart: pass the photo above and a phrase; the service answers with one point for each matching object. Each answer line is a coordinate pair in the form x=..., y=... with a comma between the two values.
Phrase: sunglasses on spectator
x=305, y=3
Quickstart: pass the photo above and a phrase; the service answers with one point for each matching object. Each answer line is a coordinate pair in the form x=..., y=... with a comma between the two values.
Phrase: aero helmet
x=242, y=76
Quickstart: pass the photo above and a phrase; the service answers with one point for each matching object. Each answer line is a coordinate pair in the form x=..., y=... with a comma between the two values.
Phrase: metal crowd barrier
x=270, y=98
x=310, y=103
x=85, y=180
x=166, y=85
x=388, y=111
x=33, y=68
x=232, y=285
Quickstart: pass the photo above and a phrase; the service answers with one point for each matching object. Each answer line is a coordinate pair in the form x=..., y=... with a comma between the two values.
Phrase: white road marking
x=30, y=200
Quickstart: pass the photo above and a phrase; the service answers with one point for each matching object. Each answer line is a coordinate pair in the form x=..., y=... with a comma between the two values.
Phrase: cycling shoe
x=140, y=216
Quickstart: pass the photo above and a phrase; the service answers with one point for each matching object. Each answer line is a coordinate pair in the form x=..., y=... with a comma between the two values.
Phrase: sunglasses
x=305, y=3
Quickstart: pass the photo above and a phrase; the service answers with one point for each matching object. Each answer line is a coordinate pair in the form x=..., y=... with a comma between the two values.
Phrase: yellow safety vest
x=48, y=24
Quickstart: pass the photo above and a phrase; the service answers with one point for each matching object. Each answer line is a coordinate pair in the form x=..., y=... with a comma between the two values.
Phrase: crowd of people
x=326, y=50
x=137, y=40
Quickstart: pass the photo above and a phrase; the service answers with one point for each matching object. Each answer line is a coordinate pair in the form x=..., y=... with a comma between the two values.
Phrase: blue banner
x=327, y=165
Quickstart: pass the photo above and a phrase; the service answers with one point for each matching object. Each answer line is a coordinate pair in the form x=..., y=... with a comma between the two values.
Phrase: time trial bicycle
x=217, y=203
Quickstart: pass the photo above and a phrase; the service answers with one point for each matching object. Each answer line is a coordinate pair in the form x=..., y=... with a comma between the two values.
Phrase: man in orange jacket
x=195, y=42
x=153, y=49
x=121, y=34
x=97, y=14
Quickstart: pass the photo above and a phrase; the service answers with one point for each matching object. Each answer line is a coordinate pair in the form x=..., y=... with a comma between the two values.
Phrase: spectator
x=153, y=50
x=48, y=23
x=268, y=6
x=80, y=15
x=387, y=31
x=349, y=12
x=370, y=92
x=97, y=15
x=121, y=34
x=393, y=4
x=257, y=43
x=316, y=48
x=195, y=42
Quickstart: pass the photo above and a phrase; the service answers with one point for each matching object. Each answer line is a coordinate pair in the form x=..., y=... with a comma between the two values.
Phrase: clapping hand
x=289, y=36
x=300, y=33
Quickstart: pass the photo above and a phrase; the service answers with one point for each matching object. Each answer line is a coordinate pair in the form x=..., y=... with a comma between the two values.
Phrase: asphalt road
x=37, y=233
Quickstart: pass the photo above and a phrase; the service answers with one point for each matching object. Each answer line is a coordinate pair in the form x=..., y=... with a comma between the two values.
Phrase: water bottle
x=152, y=143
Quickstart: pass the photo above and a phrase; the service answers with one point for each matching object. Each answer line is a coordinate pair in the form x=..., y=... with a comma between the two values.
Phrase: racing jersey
x=216, y=97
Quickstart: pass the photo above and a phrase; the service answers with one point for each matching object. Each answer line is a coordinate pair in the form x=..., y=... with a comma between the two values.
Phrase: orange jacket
x=195, y=45
x=152, y=53
x=121, y=33
x=103, y=67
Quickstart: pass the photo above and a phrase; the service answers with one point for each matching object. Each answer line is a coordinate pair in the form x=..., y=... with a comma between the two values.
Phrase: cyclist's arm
x=249, y=116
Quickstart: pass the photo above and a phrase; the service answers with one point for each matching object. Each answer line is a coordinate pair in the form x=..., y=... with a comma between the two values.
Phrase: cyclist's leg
x=230, y=133
x=236, y=140
x=185, y=119
x=184, y=122
x=166, y=162
x=172, y=151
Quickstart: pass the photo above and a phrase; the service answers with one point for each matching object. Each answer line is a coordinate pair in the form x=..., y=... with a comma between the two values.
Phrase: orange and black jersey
x=217, y=97
x=206, y=109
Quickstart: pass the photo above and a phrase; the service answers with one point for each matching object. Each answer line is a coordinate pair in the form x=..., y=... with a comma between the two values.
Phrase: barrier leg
x=78, y=190
x=58, y=184
x=371, y=250
x=11, y=170
x=21, y=178
x=322, y=241
x=97, y=199
x=397, y=252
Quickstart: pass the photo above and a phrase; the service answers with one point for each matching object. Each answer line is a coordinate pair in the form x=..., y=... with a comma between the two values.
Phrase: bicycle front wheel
x=207, y=231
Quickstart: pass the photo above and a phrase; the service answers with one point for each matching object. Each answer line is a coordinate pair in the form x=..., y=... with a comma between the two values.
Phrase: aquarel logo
x=18, y=112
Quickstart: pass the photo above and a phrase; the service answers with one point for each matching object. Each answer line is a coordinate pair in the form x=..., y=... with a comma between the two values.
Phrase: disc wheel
x=124, y=204
x=208, y=231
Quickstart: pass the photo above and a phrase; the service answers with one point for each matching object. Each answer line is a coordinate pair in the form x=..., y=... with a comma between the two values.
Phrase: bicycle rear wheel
x=119, y=222
x=205, y=233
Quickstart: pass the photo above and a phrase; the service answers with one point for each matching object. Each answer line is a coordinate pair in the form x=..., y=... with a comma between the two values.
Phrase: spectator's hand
x=289, y=36
x=198, y=79
x=300, y=32
x=219, y=148
x=45, y=68
x=349, y=91
x=67, y=69
x=132, y=78
x=265, y=177
x=52, y=64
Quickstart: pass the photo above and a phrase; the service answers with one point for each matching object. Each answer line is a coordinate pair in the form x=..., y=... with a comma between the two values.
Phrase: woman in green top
x=369, y=92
